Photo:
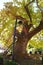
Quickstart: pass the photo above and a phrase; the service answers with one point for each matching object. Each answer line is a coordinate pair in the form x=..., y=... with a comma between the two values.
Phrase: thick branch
x=35, y=31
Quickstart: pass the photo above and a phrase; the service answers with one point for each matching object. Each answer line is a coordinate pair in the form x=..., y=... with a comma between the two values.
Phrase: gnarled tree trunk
x=22, y=39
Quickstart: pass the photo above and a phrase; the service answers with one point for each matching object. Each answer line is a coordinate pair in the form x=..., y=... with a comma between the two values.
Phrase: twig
x=41, y=9
x=29, y=3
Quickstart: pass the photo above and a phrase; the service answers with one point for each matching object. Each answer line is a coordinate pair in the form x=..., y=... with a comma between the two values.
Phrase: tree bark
x=22, y=40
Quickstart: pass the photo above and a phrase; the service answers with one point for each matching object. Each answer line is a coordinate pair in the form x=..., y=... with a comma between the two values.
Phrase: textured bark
x=22, y=39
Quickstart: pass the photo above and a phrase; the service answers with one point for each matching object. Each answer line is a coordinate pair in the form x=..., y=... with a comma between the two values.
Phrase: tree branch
x=28, y=13
x=38, y=5
x=29, y=2
x=41, y=9
x=35, y=31
x=27, y=10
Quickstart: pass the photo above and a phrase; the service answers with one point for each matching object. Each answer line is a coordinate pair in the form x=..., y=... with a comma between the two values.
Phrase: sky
x=2, y=3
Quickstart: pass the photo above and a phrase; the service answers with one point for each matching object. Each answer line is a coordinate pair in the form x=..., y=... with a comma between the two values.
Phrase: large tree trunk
x=20, y=48
x=21, y=43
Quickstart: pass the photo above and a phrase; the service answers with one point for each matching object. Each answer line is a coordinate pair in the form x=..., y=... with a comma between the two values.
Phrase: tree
x=26, y=34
